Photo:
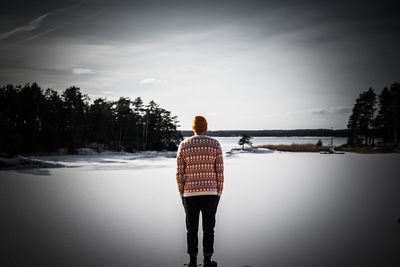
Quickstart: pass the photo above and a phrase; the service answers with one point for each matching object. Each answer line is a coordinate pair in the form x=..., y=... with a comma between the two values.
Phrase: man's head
x=199, y=125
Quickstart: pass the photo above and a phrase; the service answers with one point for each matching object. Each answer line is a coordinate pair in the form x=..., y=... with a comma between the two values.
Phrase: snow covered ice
x=277, y=209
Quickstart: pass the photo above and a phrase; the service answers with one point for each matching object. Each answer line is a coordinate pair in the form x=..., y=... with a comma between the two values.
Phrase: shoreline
x=58, y=159
x=62, y=160
x=318, y=149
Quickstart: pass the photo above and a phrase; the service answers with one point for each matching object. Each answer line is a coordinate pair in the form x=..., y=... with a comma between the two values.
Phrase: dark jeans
x=207, y=204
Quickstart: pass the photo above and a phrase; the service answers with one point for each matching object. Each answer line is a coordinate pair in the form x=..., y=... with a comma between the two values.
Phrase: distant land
x=295, y=132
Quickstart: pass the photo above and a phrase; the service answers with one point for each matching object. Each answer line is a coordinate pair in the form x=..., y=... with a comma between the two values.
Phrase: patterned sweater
x=200, y=166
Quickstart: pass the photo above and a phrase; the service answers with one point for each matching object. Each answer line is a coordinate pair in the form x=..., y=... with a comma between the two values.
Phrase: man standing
x=200, y=178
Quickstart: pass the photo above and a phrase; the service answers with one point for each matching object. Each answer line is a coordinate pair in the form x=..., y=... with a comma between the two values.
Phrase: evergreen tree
x=123, y=121
x=245, y=139
x=75, y=108
x=138, y=112
x=353, y=125
x=31, y=100
x=387, y=121
x=151, y=121
x=319, y=143
x=11, y=131
x=367, y=115
x=395, y=112
x=53, y=120
x=100, y=120
x=361, y=120
x=383, y=118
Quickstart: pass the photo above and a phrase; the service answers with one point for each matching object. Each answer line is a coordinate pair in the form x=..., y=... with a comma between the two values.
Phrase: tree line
x=36, y=120
x=375, y=116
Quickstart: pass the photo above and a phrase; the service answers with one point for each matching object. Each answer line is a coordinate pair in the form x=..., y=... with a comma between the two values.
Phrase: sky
x=241, y=64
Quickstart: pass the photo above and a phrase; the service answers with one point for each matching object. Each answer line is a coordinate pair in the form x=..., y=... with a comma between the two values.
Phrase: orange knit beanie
x=199, y=124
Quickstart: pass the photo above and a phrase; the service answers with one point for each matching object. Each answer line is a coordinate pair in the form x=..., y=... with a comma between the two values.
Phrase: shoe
x=212, y=264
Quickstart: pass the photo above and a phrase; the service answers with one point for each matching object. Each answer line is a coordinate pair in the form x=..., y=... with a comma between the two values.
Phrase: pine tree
x=75, y=108
x=382, y=120
x=245, y=139
x=387, y=122
x=361, y=121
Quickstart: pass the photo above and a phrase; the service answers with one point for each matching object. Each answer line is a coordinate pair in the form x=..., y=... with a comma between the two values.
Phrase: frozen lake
x=277, y=209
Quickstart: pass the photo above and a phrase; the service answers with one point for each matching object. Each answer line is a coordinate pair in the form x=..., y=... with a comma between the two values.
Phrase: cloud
x=35, y=23
x=80, y=71
x=108, y=92
x=150, y=81
x=294, y=113
x=341, y=110
x=330, y=110
x=316, y=111
x=37, y=35
x=32, y=25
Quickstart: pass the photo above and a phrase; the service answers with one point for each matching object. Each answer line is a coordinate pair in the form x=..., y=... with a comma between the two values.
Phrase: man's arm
x=180, y=170
x=219, y=170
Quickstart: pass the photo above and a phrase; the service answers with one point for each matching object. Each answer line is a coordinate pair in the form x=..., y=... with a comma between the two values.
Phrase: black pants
x=207, y=204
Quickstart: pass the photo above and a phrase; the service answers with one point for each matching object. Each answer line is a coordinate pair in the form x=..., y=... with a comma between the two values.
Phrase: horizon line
x=276, y=129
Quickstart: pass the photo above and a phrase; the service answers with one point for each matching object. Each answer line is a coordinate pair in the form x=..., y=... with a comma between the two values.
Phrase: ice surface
x=277, y=209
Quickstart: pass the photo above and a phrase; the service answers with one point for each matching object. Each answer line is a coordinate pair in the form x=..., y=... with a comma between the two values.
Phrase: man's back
x=200, y=178
x=200, y=166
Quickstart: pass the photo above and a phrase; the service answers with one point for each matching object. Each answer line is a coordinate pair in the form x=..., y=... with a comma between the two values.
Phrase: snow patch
x=20, y=162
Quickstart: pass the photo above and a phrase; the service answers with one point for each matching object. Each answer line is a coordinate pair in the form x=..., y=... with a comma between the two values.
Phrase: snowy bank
x=84, y=157
x=249, y=150
x=20, y=162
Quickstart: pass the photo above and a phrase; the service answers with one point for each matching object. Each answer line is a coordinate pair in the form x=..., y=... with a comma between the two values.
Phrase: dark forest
x=36, y=120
